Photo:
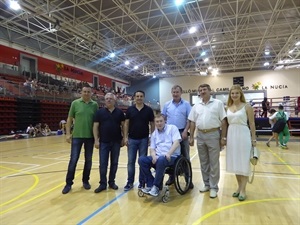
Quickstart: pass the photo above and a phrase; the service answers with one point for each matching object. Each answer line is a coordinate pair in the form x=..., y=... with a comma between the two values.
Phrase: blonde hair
x=242, y=98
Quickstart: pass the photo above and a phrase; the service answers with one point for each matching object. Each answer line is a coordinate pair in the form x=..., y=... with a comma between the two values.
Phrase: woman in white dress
x=239, y=139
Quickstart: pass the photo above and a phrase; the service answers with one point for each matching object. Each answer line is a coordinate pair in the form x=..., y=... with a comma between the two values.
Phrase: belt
x=209, y=130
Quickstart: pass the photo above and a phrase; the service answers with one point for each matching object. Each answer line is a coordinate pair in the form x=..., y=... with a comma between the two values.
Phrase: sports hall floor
x=32, y=174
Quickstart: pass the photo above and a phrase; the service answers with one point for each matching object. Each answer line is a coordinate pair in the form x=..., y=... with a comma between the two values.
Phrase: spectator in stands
x=2, y=90
x=34, y=87
x=82, y=110
x=265, y=107
x=46, y=130
x=274, y=134
x=30, y=130
x=27, y=86
x=109, y=127
x=62, y=126
x=38, y=130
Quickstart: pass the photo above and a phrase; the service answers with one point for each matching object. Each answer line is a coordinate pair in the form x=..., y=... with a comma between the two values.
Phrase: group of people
x=169, y=134
x=38, y=130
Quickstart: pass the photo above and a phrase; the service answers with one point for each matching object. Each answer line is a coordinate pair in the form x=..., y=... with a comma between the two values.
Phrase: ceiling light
x=163, y=63
x=267, y=52
x=163, y=72
x=127, y=62
x=298, y=43
x=209, y=68
x=136, y=67
x=199, y=43
x=111, y=55
x=192, y=30
x=215, y=72
x=14, y=5
x=154, y=76
x=178, y=2
x=206, y=59
x=266, y=63
x=291, y=51
x=202, y=73
x=203, y=53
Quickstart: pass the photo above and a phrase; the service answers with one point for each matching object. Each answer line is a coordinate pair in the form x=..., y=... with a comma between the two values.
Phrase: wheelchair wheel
x=140, y=193
x=165, y=198
x=182, y=175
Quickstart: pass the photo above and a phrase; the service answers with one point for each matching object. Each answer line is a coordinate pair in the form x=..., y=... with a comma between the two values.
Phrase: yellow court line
x=36, y=181
x=284, y=162
x=239, y=204
x=201, y=219
x=36, y=197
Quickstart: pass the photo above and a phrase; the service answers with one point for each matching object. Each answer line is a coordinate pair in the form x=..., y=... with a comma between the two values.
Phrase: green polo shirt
x=83, y=113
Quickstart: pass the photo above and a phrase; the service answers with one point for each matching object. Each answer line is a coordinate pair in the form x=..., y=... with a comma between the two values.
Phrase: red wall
x=12, y=56
x=9, y=55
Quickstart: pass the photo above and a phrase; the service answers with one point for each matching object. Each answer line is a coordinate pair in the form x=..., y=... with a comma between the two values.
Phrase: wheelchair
x=182, y=173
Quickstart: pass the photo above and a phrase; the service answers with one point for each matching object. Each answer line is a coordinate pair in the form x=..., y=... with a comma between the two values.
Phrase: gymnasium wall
x=277, y=83
x=12, y=56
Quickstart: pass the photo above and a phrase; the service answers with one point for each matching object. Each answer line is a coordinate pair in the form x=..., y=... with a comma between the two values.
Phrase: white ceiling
x=234, y=34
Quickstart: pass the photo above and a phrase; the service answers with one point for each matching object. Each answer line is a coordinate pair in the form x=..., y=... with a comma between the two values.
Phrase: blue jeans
x=106, y=149
x=134, y=146
x=145, y=163
x=75, y=153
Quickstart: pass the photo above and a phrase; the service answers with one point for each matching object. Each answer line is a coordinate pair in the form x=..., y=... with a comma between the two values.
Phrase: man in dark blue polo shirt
x=108, y=125
x=136, y=135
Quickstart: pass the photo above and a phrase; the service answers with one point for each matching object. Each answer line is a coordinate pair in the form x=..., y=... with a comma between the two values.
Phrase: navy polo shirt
x=109, y=124
x=139, y=121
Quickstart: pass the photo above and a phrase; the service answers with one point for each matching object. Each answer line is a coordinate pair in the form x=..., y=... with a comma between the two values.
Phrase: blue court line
x=100, y=209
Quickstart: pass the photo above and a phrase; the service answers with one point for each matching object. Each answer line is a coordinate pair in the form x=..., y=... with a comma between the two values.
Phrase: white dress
x=238, y=143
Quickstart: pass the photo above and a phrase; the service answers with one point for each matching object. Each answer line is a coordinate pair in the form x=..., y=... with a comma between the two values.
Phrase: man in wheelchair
x=164, y=149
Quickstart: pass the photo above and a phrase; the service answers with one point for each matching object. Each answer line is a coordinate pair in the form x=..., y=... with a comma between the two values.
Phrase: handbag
x=254, y=156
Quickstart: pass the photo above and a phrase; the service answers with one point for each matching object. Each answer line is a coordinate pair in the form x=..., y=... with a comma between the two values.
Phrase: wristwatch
x=224, y=138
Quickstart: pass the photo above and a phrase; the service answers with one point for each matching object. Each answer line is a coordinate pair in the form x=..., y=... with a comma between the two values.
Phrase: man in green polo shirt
x=81, y=112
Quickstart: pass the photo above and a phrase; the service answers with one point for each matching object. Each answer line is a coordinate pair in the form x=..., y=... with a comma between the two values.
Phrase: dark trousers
x=75, y=153
x=107, y=149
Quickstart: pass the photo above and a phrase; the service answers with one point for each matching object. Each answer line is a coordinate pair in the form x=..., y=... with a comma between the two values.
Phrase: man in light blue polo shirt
x=176, y=112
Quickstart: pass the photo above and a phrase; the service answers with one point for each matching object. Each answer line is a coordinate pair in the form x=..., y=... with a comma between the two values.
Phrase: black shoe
x=100, y=188
x=191, y=185
x=66, y=189
x=113, y=186
x=128, y=187
x=170, y=181
x=141, y=186
x=87, y=186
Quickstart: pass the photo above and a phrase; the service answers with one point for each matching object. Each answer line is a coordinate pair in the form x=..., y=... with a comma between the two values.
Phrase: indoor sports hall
x=50, y=50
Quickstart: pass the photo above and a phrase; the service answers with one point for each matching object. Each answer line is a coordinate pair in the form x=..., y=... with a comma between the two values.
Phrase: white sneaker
x=204, y=189
x=154, y=191
x=213, y=193
x=146, y=190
